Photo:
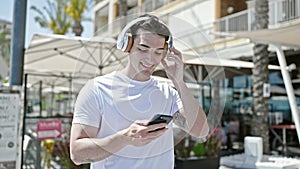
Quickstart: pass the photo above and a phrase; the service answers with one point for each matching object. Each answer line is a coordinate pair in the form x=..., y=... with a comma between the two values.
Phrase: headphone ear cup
x=125, y=43
x=129, y=43
x=168, y=44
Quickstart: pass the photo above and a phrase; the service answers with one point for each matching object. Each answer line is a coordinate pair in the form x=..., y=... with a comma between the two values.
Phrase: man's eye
x=142, y=50
x=158, y=52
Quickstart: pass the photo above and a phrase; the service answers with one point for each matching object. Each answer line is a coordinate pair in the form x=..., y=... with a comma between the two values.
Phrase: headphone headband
x=124, y=42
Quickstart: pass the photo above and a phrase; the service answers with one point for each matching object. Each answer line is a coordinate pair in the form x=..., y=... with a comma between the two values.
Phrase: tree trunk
x=260, y=75
x=77, y=28
x=213, y=117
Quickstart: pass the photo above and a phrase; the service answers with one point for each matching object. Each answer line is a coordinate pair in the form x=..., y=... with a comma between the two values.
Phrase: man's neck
x=135, y=76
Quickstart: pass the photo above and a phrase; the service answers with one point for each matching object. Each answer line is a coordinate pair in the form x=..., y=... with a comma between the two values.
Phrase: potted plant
x=61, y=153
x=192, y=153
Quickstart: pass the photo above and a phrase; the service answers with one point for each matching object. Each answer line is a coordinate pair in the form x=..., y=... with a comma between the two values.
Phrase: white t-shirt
x=113, y=102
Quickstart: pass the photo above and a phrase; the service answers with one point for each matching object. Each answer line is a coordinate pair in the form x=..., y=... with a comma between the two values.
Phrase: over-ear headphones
x=125, y=40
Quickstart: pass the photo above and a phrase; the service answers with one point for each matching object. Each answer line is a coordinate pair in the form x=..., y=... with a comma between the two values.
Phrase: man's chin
x=145, y=74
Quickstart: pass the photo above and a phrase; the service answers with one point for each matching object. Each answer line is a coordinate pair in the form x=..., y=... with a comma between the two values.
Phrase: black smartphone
x=160, y=118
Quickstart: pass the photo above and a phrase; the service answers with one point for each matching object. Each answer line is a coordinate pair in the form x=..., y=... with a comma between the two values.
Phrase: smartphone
x=160, y=118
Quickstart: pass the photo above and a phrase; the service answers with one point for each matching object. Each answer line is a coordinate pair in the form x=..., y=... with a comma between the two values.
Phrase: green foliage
x=212, y=146
x=184, y=148
x=199, y=150
x=5, y=46
x=5, y=80
x=59, y=15
x=190, y=146
x=62, y=151
x=76, y=8
x=55, y=17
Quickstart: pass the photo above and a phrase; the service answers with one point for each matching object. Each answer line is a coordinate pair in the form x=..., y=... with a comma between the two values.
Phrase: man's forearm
x=87, y=150
x=196, y=122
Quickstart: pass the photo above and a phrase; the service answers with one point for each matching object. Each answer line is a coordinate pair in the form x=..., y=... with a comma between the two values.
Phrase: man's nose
x=150, y=55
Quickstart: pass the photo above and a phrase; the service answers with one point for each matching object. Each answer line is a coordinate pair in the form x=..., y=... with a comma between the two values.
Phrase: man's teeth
x=146, y=65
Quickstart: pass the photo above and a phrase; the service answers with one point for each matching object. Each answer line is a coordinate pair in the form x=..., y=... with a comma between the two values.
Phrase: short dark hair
x=153, y=25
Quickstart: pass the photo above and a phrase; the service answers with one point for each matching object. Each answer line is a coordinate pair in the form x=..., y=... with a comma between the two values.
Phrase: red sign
x=49, y=129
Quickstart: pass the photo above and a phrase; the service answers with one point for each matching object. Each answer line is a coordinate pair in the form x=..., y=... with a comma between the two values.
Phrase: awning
x=206, y=61
x=223, y=68
x=288, y=35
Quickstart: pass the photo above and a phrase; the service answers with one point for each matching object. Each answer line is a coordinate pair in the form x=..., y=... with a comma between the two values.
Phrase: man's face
x=146, y=54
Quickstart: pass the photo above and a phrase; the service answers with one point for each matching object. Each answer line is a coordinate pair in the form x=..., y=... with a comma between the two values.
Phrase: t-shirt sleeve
x=88, y=106
x=177, y=103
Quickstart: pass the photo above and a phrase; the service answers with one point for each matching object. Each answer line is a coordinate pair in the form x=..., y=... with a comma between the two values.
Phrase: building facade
x=191, y=21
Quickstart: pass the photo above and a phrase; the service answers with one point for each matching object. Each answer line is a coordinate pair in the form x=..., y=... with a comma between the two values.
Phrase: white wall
x=185, y=25
x=200, y=14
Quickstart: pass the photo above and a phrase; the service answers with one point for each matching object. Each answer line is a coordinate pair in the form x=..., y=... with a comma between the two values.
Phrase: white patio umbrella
x=74, y=57
x=61, y=61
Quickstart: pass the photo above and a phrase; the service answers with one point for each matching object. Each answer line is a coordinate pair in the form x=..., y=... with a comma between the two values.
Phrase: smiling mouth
x=148, y=66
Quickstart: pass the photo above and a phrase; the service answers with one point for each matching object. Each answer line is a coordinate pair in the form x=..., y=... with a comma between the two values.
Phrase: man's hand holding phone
x=141, y=133
x=160, y=118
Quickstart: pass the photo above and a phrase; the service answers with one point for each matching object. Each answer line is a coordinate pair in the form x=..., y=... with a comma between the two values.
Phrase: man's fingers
x=157, y=133
x=153, y=134
x=176, y=52
x=142, y=122
x=156, y=126
x=143, y=137
x=175, y=59
x=164, y=63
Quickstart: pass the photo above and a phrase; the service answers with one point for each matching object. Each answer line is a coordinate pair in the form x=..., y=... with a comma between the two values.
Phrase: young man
x=110, y=127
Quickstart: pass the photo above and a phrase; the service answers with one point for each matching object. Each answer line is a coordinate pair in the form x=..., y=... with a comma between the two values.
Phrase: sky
x=6, y=13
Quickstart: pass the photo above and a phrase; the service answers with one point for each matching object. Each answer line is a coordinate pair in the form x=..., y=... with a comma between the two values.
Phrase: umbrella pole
x=52, y=100
x=41, y=98
x=70, y=95
x=289, y=88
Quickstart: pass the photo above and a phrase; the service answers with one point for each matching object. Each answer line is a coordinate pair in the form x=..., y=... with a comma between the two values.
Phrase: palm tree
x=75, y=10
x=260, y=76
x=56, y=18
x=5, y=45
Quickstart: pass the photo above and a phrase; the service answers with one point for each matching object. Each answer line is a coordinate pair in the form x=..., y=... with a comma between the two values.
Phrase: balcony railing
x=235, y=22
x=150, y=5
x=147, y=6
x=280, y=11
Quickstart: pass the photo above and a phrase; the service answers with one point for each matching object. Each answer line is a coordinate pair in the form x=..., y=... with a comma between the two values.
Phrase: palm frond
x=41, y=21
x=57, y=20
x=39, y=12
x=49, y=13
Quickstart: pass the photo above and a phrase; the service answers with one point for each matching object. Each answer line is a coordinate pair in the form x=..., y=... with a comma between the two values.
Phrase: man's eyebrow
x=146, y=46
